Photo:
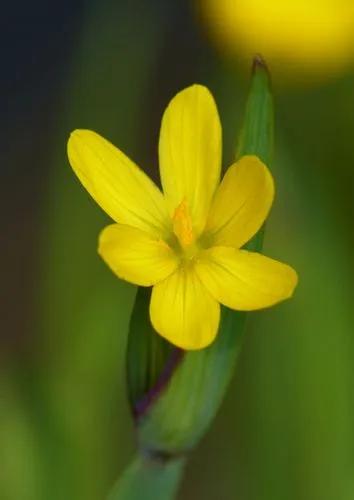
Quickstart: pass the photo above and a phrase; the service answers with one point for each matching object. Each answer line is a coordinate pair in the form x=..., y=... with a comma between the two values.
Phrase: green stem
x=149, y=480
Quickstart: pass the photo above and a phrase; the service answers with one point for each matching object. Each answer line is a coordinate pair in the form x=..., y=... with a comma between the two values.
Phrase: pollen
x=182, y=225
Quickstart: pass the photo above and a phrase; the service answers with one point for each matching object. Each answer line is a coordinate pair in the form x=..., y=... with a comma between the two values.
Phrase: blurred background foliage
x=285, y=430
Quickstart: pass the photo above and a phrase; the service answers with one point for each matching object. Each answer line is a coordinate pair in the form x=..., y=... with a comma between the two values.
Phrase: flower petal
x=241, y=203
x=190, y=152
x=124, y=191
x=183, y=311
x=135, y=256
x=244, y=280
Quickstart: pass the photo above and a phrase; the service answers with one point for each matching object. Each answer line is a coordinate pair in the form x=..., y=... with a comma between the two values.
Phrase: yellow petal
x=183, y=311
x=190, y=152
x=241, y=203
x=123, y=190
x=244, y=280
x=135, y=256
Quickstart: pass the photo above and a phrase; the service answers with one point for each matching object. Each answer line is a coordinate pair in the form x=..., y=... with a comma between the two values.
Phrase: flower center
x=182, y=225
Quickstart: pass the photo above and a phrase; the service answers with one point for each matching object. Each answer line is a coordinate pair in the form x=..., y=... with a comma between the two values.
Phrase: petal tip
x=81, y=133
x=75, y=138
x=172, y=335
x=293, y=281
x=197, y=87
x=193, y=90
x=184, y=345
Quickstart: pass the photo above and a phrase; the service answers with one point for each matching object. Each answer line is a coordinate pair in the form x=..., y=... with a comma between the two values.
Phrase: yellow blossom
x=301, y=39
x=185, y=242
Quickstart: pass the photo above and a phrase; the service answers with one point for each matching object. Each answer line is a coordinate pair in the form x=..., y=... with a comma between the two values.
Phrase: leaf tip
x=259, y=64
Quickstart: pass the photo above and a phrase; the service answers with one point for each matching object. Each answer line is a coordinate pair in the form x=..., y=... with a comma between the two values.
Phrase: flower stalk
x=175, y=394
x=147, y=479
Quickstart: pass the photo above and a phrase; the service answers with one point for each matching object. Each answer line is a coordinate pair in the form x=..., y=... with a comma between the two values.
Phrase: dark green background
x=286, y=428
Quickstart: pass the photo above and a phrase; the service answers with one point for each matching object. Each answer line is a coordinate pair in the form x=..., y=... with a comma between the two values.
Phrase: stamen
x=182, y=224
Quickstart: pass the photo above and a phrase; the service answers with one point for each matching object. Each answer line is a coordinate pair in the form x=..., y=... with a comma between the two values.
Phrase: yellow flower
x=300, y=39
x=185, y=242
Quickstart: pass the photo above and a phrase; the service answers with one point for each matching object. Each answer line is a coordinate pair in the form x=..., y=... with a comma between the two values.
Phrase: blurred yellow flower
x=185, y=242
x=300, y=38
